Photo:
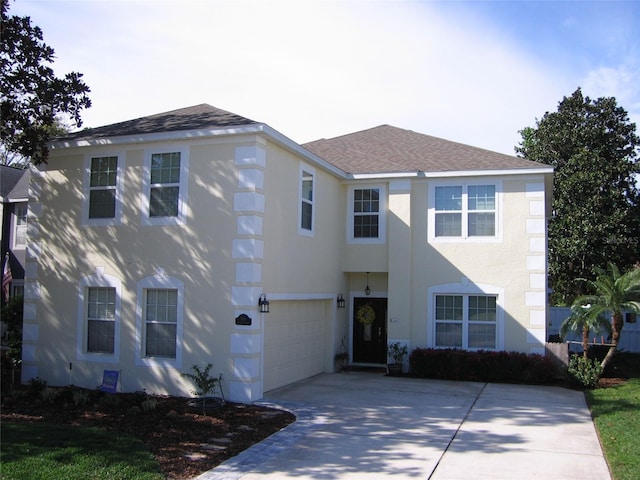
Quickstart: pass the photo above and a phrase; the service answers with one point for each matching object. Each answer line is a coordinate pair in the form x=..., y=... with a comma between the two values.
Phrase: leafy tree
x=32, y=98
x=613, y=294
x=593, y=148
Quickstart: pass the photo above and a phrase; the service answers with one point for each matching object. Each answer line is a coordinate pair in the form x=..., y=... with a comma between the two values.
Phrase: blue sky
x=474, y=72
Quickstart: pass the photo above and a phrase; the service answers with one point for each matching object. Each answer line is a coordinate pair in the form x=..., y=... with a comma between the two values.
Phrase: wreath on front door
x=366, y=314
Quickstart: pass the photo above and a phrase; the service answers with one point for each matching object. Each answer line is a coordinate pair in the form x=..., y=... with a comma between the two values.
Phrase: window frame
x=118, y=189
x=17, y=225
x=107, y=320
x=382, y=214
x=162, y=282
x=147, y=186
x=98, y=280
x=465, y=212
x=309, y=232
x=465, y=290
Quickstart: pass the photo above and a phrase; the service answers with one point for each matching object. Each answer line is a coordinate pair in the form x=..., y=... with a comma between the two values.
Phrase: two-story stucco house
x=155, y=243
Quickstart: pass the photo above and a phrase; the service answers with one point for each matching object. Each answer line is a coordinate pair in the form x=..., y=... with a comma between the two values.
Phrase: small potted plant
x=341, y=358
x=397, y=351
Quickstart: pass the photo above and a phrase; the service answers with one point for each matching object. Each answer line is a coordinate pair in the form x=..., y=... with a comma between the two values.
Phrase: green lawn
x=52, y=452
x=616, y=414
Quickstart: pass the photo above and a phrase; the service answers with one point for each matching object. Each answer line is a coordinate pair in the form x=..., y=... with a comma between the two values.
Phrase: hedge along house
x=155, y=243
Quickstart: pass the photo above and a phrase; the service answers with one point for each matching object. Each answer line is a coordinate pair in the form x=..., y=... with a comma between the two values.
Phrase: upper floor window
x=20, y=232
x=367, y=219
x=464, y=211
x=165, y=185
x=102, y=187
x=306, y=201
x=103, y=190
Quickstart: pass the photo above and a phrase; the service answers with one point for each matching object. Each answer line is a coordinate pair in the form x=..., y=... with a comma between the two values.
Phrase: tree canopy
x=32, y=98
x=593, y=148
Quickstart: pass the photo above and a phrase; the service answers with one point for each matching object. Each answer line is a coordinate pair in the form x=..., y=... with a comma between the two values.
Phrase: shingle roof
x=14, y=183
x=197, y=117
x=387, y=149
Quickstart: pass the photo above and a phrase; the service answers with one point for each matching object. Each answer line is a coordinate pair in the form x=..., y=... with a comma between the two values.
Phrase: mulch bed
x=184, y=441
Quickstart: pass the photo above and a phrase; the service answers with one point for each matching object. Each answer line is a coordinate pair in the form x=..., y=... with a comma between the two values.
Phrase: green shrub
x=585, y=371
x=481, y=366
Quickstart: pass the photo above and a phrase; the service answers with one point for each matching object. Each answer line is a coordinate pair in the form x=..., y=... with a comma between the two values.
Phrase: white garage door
x=294, y=342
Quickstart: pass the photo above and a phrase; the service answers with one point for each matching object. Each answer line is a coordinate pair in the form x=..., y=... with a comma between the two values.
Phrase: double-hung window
x=101, y=316
x=306, y=202
x=164, y=192
x=166, y=175
x=464, y=211
x=466, y=321
x=159, y=321
x=367, y=214
x=20, y=236
x=103, y=189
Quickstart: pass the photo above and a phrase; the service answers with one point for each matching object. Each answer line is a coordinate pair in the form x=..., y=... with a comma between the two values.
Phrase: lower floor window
x=101, y=314
x=161, y=317
x=466, y=321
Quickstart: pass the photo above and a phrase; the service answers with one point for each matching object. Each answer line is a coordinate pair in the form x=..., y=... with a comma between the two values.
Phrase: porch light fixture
x=263, y=303
x=341, y=302
x=367, y=290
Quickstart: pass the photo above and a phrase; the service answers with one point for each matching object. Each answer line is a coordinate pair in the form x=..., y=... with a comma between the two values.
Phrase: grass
x=615, y=415
x=52, y=452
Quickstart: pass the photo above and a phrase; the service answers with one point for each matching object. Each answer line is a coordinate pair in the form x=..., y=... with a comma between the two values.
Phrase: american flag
x=6, y=278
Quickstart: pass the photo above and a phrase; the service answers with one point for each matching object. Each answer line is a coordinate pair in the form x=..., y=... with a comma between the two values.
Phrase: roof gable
x=14, y=183
x=197, y=117
x=387, y=149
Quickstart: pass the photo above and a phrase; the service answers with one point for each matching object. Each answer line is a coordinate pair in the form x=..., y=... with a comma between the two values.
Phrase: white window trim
x=183, y=193
x=162, y=281
x=464, y=238
x=382, y=215
x=103, y=222
x=465, y=288
x=312, y=171
x=97, y=280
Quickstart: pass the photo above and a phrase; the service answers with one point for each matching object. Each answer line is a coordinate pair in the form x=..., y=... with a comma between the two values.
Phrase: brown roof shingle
x=190, y=118
x=387, y=149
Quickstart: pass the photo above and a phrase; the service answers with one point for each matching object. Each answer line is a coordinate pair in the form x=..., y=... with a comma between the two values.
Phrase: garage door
x=294, y=342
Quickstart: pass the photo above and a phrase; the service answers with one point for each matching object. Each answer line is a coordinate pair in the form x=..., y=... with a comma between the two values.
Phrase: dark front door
x=370, y=330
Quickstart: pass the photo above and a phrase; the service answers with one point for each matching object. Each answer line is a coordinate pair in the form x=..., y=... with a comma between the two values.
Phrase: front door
x=370, y=330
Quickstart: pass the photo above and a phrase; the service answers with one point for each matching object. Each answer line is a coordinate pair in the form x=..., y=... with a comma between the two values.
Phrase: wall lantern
x=367, y=290
x=341, y=302
x=263, y=303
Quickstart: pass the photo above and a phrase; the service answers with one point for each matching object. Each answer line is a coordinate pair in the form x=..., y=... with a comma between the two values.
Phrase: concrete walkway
x=365, y=425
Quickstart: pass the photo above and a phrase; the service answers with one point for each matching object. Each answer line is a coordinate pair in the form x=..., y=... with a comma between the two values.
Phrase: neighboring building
x=14, y=194
x=156, y=239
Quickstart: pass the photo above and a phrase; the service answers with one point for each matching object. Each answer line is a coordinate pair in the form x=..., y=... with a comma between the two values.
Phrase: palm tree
x=614, y=293
x=581, y=321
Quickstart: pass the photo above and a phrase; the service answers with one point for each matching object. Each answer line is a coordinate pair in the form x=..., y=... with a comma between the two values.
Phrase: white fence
x=629, y=340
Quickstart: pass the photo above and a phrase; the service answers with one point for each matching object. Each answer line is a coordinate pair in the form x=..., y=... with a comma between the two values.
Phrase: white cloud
x=309, y=69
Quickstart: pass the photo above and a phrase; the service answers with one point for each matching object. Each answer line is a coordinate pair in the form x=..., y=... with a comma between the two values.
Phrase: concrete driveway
x=359, y=425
